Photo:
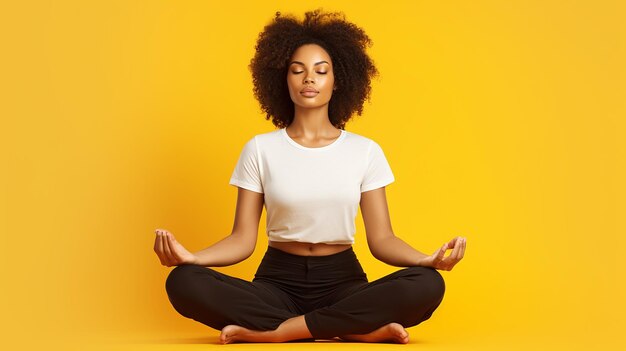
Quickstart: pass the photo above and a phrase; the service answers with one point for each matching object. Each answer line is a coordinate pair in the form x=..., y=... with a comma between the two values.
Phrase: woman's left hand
x=437, y=259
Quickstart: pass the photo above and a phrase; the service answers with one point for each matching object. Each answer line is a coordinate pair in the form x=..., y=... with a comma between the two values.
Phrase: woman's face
x=310, y=68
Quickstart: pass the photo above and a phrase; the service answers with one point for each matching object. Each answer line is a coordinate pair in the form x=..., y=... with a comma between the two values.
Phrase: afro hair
x=344, y=42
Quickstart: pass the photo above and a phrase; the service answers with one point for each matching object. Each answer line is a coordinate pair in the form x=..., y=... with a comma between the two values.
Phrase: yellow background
x=503, y=121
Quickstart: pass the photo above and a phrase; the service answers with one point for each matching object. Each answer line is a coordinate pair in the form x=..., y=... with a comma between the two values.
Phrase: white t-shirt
x=311, y=194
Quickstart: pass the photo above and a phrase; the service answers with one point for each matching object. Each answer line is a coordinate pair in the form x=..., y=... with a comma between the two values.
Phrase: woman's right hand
x=170, y=251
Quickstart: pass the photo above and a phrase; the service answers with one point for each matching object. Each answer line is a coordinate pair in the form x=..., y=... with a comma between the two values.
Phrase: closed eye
x=303, y=71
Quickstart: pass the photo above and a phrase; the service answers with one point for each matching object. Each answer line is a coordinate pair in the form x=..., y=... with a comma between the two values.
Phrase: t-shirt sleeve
x=378, y=172
x=247, y=173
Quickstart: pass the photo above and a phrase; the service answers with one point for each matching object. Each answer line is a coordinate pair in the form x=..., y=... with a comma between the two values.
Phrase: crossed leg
x=404, y=298
x=216, y=299
x=296, y=329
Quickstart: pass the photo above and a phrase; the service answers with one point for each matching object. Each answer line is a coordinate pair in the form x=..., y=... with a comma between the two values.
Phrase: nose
x=308, y=79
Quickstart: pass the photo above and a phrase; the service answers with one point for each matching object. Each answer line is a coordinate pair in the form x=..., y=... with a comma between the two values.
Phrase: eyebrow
x=300, y=63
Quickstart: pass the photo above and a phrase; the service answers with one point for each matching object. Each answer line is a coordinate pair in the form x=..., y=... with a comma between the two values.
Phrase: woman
x=311, y=175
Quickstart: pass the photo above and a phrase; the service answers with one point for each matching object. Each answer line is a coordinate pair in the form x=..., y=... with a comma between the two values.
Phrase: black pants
x=332, y=292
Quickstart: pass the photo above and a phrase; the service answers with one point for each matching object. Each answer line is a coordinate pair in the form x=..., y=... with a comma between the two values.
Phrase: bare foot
x=291, y=329
x=392, y=332
x=234, y=333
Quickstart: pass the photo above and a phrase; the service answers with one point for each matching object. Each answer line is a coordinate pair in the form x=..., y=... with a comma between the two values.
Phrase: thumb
x=442, y=251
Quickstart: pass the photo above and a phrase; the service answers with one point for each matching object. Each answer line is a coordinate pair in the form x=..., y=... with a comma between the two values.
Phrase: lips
x=309, y=90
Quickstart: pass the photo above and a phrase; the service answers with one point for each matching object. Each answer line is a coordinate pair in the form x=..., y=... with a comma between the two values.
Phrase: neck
x=312, y=122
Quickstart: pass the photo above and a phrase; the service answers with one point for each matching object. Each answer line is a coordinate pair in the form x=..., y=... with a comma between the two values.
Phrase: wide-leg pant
x=332, y=292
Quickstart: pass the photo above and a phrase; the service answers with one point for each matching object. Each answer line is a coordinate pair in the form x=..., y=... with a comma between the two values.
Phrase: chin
x=312, y=101
x=311, y=106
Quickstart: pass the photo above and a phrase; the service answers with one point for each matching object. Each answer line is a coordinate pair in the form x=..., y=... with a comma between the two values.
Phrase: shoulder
x=266, y=137
x=256, y=140
x=361, y=141
x=357, y=137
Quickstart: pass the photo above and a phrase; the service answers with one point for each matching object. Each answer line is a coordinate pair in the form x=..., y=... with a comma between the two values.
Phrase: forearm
x=230, y=250
x=396, y=252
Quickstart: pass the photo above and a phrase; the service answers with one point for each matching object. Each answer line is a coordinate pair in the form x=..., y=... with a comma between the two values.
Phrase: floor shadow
x=214, y=340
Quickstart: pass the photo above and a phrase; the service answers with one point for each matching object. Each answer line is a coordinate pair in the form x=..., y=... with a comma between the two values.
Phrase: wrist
x=195, y=259
x=420, y=257
x=423, y=262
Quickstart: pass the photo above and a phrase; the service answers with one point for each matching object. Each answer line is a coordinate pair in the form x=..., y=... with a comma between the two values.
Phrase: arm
x=240, y=244
x=236, y=247
x=392, y=250
x=383, y=243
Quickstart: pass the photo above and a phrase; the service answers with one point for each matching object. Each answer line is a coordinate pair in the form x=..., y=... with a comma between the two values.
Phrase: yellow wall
x=504, y=122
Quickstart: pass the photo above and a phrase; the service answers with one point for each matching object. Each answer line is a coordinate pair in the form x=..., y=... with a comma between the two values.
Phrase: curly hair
x=344, y=42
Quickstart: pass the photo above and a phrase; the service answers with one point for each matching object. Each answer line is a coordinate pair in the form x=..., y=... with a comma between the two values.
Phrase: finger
x=463, y=248
x=166, y=254
x=162, y=249
x=167, y=249
x=454, y=256
x=442, y=252
x=158, y=244
x=453, y=241
x=170, y=242
x=459, y=254
x=437, y=252
x=457, y=249
x=439, y=257
x=156, y=241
